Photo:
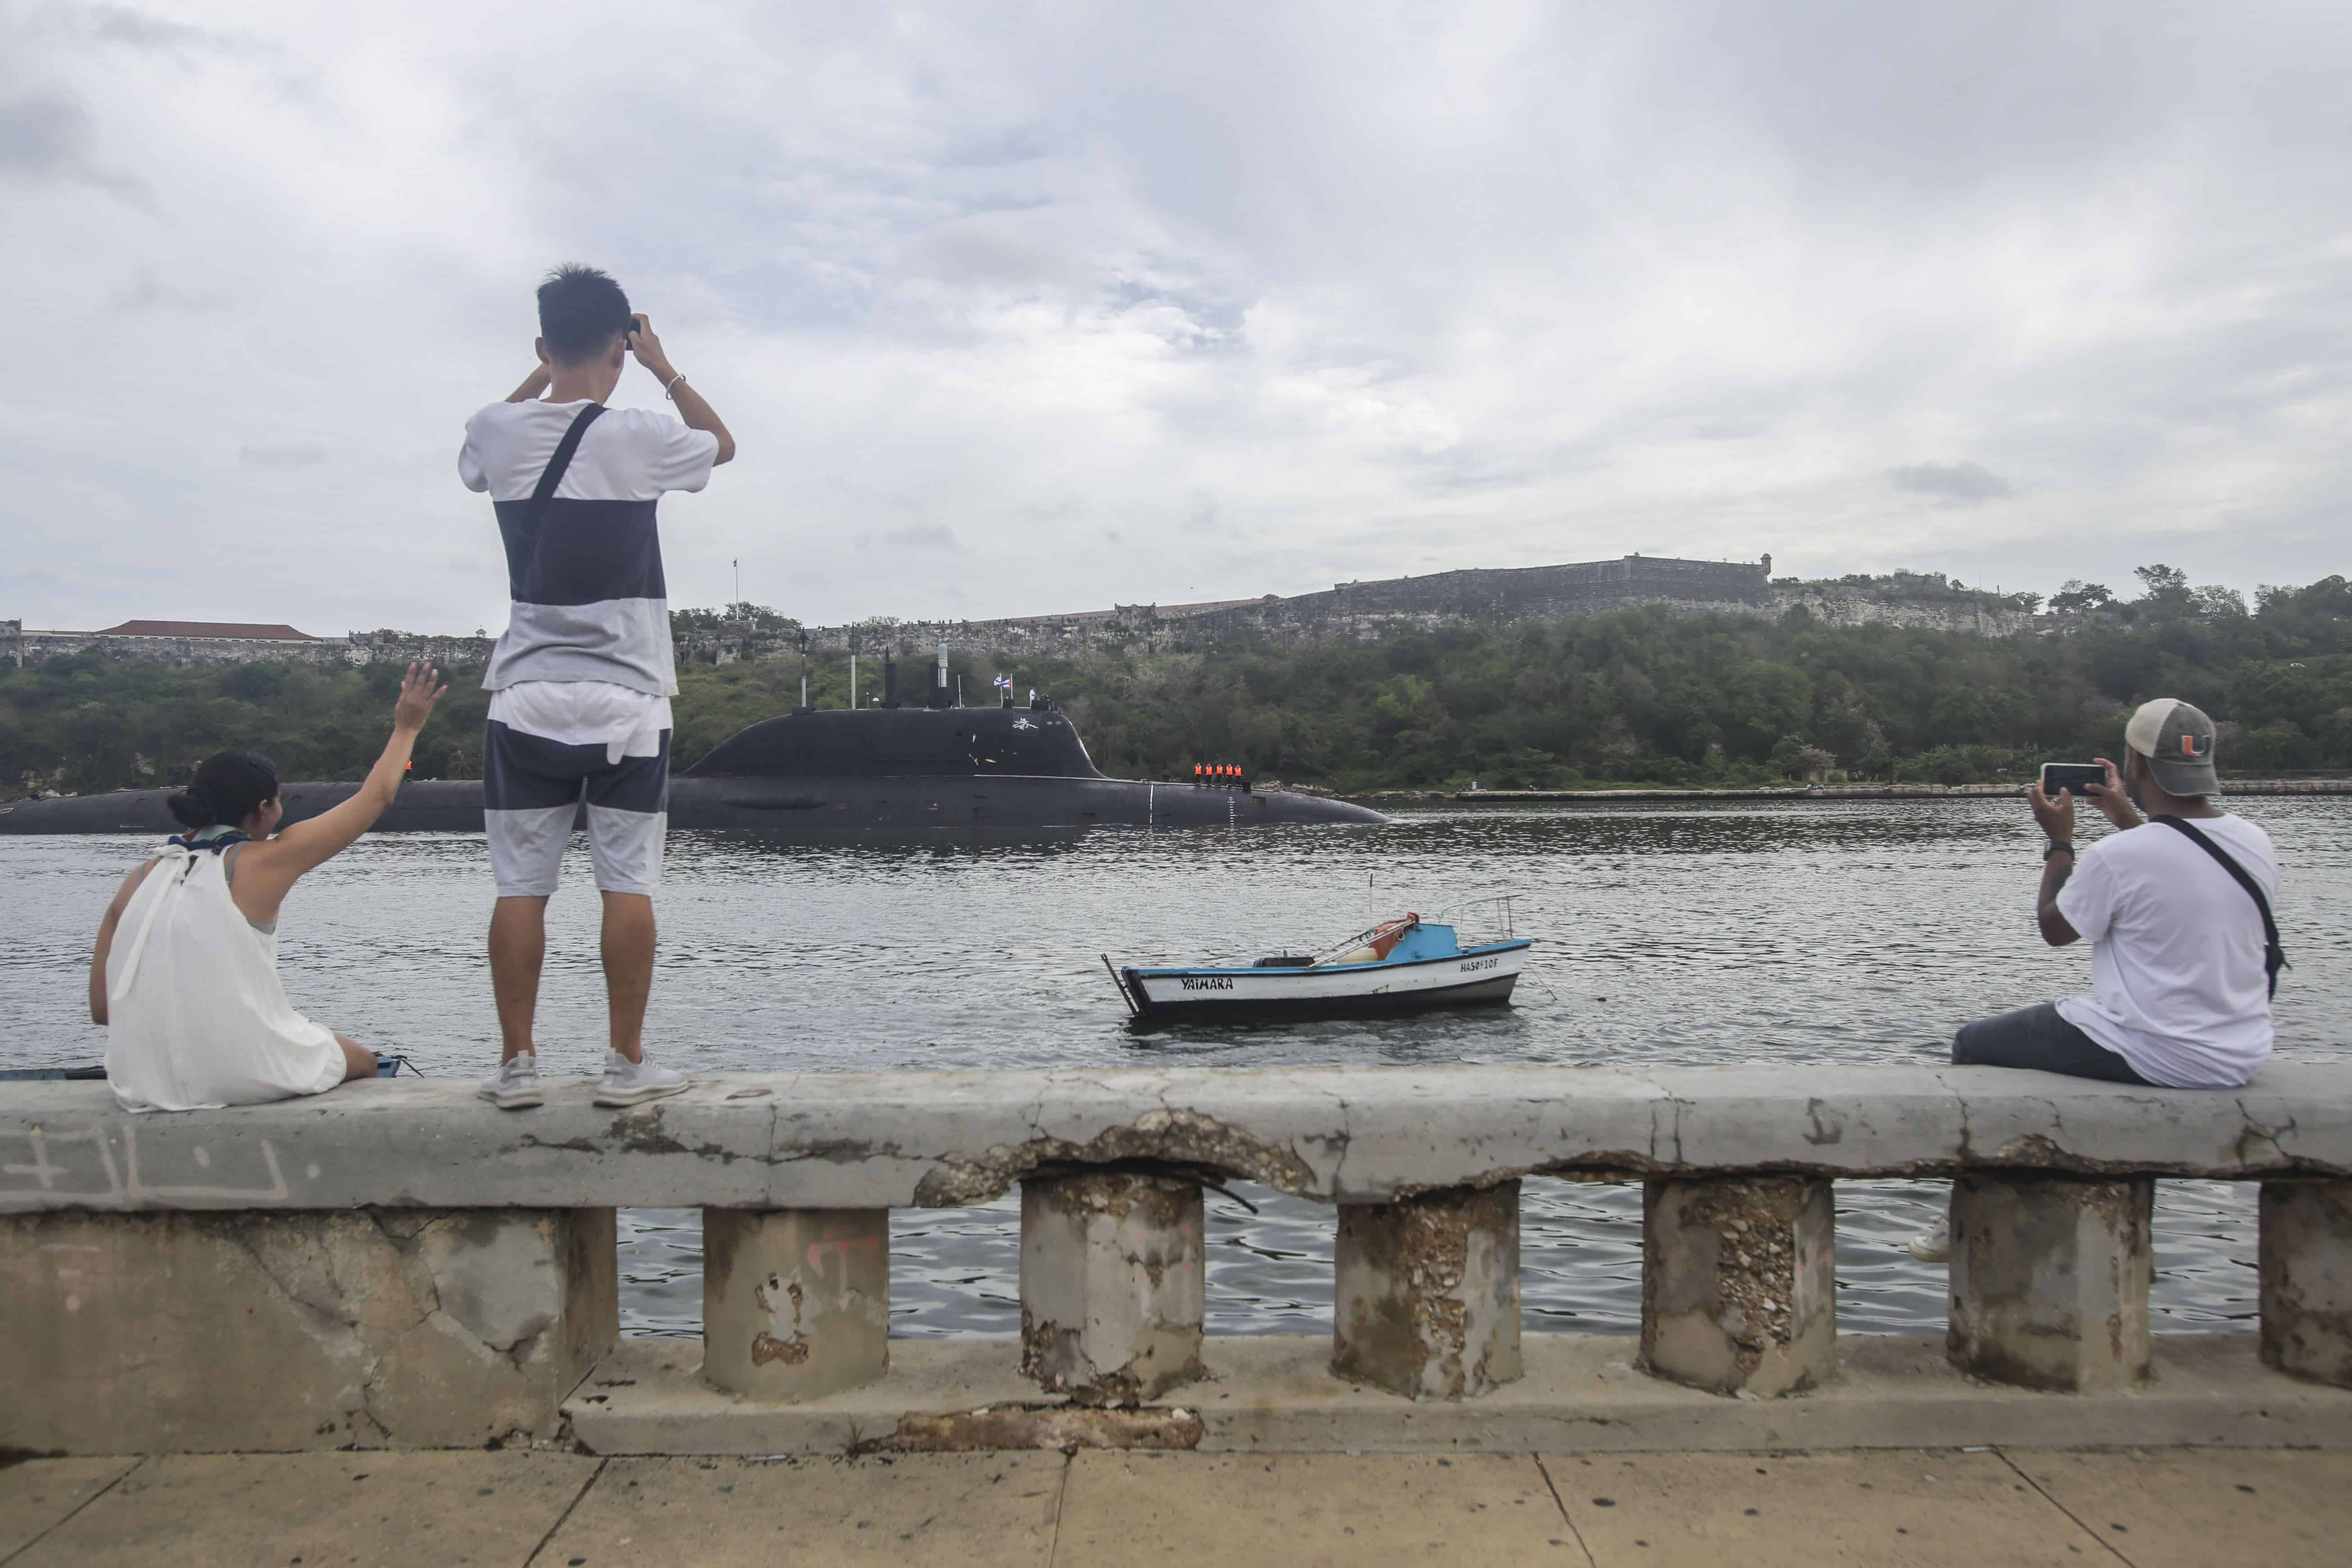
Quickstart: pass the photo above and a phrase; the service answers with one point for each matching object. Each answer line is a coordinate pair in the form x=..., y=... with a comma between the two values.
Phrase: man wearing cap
x=2181, y=950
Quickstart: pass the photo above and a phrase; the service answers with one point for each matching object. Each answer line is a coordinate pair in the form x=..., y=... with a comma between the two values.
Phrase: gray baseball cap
x=2177, y=742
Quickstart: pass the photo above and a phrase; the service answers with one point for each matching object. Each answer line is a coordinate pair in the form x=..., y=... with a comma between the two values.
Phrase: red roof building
x=248, y=631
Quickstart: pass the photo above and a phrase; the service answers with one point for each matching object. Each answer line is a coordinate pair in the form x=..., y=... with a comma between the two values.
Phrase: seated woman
x=195, y=1016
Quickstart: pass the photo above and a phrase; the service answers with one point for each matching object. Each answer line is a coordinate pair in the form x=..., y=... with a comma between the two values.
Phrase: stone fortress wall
x=1928, y=603
x=1360, y=611
x=1364, y=611
x=21, y=645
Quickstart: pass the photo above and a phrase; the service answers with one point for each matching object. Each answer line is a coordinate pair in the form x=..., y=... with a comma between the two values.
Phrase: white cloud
x=46, y=139
x=1960, y=484
x=1180, y=301
x=300, y=454
x=921, y=536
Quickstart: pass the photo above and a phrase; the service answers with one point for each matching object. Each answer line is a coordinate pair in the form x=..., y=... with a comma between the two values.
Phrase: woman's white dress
x=195, y=1016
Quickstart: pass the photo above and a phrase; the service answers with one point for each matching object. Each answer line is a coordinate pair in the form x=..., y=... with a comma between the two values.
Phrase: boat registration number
x=1470, y=964
x=1207, y=982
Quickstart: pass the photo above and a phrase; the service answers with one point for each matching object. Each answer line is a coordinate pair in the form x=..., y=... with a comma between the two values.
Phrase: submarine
x=821, y=771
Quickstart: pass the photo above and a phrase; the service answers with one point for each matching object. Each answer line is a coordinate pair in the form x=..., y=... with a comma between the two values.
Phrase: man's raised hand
x=648, y=347
x=2111, y=798
x=2056, y=817
x=692, y=406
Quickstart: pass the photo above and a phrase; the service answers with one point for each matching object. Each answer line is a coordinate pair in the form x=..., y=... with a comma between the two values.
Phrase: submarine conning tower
x=884, y=743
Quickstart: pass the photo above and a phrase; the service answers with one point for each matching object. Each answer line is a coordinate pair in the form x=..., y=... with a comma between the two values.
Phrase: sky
x=1020, y=309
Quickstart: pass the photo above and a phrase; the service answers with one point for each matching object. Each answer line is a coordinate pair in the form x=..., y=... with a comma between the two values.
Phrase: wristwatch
x=2055, y=846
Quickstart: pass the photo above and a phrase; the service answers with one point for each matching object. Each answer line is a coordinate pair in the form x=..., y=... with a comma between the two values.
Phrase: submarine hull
x=774, y=805
x=811, y=772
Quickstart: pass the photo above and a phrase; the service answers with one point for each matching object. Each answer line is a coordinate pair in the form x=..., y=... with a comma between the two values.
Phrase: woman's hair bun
x=193, y=806
x=230, y=786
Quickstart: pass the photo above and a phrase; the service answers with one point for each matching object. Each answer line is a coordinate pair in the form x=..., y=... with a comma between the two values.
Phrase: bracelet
x=2056, y=845
x=670, y=390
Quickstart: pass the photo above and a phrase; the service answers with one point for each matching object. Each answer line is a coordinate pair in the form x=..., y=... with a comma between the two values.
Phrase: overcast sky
x=1020, y=309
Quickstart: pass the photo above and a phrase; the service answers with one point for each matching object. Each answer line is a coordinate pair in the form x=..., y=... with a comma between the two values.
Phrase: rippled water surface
x=1797, y=932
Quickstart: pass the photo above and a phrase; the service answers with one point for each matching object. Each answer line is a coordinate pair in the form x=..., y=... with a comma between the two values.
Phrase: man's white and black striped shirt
x=589, y=603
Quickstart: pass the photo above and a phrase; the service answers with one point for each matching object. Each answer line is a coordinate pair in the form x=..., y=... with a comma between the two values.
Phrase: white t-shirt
x=588, y=600
x=629, y=454
x=592, y=668
x=585, y=713
x=2176, y=952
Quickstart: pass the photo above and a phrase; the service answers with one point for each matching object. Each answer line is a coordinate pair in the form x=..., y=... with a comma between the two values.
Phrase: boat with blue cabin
x=1400, y=966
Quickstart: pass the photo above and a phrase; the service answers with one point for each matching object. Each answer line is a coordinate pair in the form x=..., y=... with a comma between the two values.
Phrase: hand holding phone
x=2072, y=777
x=2097, y=781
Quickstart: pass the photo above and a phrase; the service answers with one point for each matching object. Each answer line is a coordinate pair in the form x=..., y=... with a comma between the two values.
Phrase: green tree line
x=1636, y=695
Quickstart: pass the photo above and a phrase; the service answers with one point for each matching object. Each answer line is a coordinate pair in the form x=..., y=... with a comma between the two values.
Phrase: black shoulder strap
x=2273, y=955
x=560, y=461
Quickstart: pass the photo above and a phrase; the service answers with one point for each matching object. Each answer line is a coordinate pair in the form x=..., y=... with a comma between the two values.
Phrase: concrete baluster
x=2306, y=1275
x=795, y=1302
x=1113, y=1284
x=2050, y=1281
x=1426, y=1300
x=1739, y=1283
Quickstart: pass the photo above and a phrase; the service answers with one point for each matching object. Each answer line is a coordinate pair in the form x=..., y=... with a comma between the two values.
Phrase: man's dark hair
x=581, y=312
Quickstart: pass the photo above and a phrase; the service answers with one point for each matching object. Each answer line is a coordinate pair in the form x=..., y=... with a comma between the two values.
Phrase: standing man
x=2176, y=904
x=580, y=685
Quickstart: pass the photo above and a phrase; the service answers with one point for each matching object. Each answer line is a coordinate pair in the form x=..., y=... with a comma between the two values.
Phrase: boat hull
x=1476, y=977
x=789, y=806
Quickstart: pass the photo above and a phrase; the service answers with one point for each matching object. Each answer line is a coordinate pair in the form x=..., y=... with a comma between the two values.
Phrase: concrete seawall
x=398, y=1264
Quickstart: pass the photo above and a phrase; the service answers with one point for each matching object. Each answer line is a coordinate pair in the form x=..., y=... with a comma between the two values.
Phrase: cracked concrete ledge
x=203, y=1332
x=1582, y=1393
x=1336, y=1134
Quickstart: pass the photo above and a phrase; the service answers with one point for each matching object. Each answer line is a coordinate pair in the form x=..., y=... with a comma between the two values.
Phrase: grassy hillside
x=1635, y=695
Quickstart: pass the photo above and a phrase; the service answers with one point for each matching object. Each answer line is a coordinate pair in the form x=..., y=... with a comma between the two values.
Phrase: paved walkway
x=2169, y=1508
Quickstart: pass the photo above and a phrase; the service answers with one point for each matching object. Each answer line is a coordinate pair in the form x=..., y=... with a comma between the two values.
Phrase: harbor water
x=1788, y=932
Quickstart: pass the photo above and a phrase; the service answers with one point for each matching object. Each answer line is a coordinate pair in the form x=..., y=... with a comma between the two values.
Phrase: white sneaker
x=1933, y=1244
x=633, y=1083
x=515, y=1086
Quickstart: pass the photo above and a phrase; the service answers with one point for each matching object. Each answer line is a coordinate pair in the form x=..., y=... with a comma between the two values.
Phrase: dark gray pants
x=2039, y=1038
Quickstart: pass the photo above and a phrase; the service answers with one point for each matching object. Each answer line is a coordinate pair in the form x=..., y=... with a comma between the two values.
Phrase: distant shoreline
x=2341, y=786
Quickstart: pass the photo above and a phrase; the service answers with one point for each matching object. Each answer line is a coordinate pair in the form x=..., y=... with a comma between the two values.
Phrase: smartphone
x=2056, y=776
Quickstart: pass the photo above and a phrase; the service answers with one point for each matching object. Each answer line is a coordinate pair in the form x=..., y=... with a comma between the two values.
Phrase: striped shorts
x=535, y=791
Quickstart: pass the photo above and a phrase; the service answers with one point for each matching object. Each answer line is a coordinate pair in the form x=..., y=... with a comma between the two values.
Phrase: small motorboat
x=1399, y=965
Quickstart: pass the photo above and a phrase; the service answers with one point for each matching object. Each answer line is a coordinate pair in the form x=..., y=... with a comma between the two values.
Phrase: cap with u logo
x=2177, y=742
